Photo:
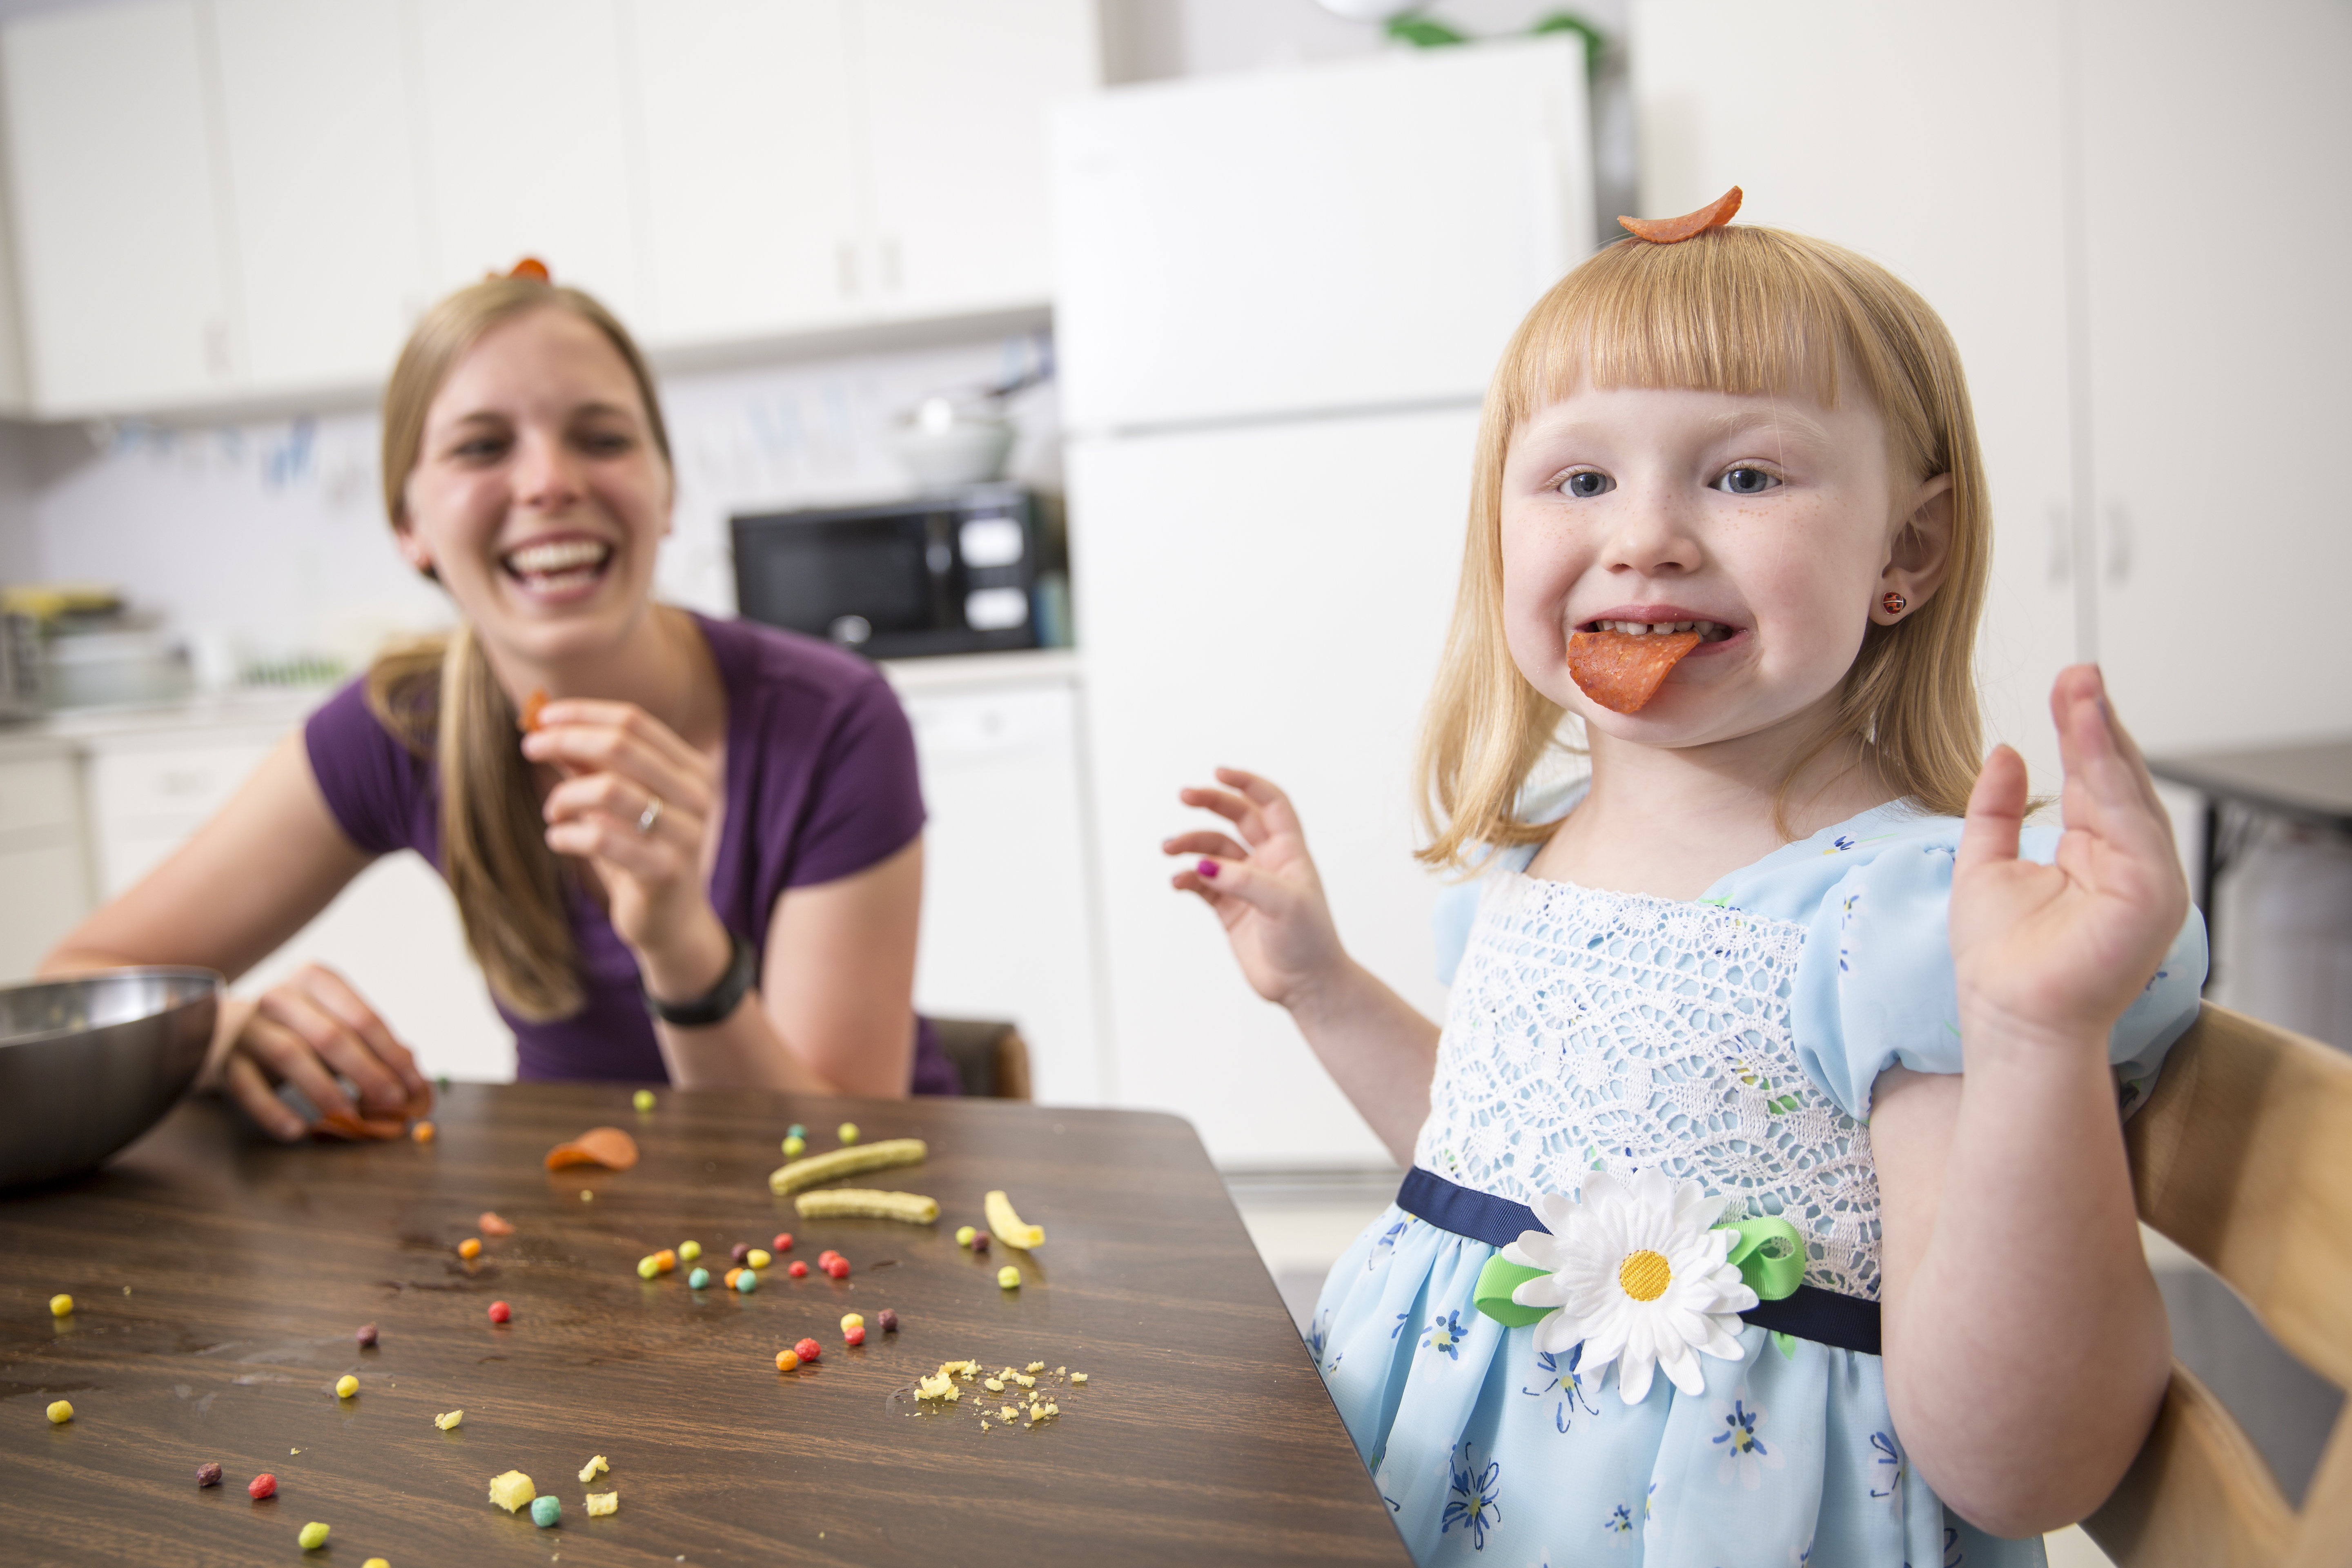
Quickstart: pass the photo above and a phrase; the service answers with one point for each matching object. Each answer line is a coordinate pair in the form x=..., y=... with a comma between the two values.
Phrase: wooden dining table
x=218, y=1280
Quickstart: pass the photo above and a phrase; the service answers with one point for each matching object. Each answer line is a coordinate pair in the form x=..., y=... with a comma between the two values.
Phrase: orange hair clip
x=1673, y=230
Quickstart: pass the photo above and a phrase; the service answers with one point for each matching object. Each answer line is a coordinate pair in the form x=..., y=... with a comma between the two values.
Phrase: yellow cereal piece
x=758, y=1258
x=995, y=1385
x=795, y=1147
x=376, y=1563
x=470, y=1248
x=313, y=1536
x=649, y=1267
x=346, y=1385
x=847, y=1132
x=688, y=1252
x=587, y=1196
x=61, y=1306
x=1008, y=1278
x=1009, y=1226
x=1078, y=1377
x=511, y=1491
x=964, y=1234
x=868, y=1203
x=60, y=1412
x=592, y=1468
x=449, y=1423
x=602, y=1503
x=788, y=1179
x=852, y=1320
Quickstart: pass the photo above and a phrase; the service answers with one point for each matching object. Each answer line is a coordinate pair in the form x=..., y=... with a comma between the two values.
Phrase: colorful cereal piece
x=546, y=1513
x=376, y=1563
x=787, y=1360
x=448, y=1422
x=665, y=1260
x=61, y=1306
x=643, y=1099
x=602, y=1503
x=838, y=1269
x=1622, y=670
x=346, y=1385
x=493, y=1226
x=1008, y=1278
x=500, y=1312
x=688, y=1252
x=797, y=1131
x=364, y=1336
x=422, y=1132
x=746, y=1280
x=852, y=1320
x=794, y=1148
x=855, y=1336
x=799, y=1270
x=587, y=1196
x=469, y=1248
x=980, y=1241
x=592, y=1468
x=511, y=1491
x=208, y=1474
x=649, y=1267
x=758, y=1258
x=606, y=1146
x=783, y=1242
x=964, y=1234
x=60, y=1412
x=261, y=1486
x=733, y=1274
x=886, y=1321
x=739, y=1251
x=313, y=1536
x=808, y=1350
x=699, y=1279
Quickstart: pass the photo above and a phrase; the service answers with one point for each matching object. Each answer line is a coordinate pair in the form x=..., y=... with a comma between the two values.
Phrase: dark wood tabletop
x=218, y=1280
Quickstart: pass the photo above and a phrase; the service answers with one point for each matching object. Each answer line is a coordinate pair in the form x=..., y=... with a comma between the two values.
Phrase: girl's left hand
x=618, y=762
x=2061, y=949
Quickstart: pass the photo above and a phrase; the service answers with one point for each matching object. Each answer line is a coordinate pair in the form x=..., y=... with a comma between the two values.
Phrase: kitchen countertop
x=218, y=1278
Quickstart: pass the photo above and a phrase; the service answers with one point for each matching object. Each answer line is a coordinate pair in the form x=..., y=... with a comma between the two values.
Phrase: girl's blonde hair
x=1742, y=310
x=440, y=697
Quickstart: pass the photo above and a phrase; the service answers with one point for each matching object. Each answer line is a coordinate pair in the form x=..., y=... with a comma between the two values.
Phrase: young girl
x=1709, y=1252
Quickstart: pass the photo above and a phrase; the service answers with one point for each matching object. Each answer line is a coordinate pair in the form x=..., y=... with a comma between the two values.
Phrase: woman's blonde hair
x=440, y=696
x=1741, y=310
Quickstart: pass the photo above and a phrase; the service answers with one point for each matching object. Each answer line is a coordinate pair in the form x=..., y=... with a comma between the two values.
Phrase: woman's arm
x=1375, y=1045
x=237, y=891
x=2026, y=1345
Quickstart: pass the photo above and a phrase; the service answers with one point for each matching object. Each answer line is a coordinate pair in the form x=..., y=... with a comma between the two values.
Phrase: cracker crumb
x=1034, y=1366
x=602, y=1503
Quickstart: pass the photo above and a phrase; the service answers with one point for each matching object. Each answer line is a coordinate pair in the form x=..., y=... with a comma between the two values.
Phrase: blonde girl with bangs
x=1767, y=1199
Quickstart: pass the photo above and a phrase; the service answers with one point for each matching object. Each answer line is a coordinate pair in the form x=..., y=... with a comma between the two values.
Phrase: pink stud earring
x=1896, y=604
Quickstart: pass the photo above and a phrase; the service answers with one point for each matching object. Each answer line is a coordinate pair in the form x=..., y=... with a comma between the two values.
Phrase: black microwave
x=945, y=573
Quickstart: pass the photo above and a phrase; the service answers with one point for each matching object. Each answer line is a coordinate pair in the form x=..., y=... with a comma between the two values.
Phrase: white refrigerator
x=1278, y=299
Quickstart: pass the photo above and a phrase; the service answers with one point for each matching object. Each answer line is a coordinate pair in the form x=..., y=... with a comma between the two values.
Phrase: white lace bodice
x=1590, y=1028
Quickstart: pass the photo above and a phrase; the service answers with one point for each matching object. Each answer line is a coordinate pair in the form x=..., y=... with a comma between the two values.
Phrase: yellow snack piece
x=688, y=1252
x=758, y=1258
x=852, y=1320
x=787, y=1179
x=649, y=1267
x=1009, y=1226
x=939, y=1385
x=313, y=1536
x=449, y=1423
x=61, y=1306
x=376, y=1563
x=1007, y=1413
x=602, y=1503
x=346, y=1385
x=1008, y=1278
x=1034, y=1366
x=60, y=1411
x=868, y=1203
x=1025, y=1379
x=995, y=1385
x=470, y=1248
x=592, y=1468
x=847, y=1132
x=1078, y=1377
x=511, y=1491
x=1059, y=1370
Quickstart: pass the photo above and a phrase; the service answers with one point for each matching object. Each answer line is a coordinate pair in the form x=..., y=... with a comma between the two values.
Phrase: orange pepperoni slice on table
x=1669, y=230
x=1622, y=670
x=606, y=1146
x=336, y=1124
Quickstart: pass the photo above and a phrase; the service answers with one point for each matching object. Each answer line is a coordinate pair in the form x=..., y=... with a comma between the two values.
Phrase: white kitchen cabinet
x=2220, y=327
x=1240, y=208
x=752, y=221
x=955, y=102
x=44, y=875
x=320, y=147
x=114, y=186
x=530, y=146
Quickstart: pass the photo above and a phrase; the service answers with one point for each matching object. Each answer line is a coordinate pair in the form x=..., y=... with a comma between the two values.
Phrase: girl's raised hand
x=618, y=762
x=1264, y=889
x=2059, y=951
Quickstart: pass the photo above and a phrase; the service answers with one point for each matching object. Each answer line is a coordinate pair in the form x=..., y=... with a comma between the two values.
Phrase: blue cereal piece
x=545, y=1512
x=748, y=1281
x=697, y=1279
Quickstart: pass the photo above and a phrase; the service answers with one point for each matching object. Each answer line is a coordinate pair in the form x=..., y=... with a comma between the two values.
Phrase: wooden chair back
x=990, y=1057
x=2244, y=1156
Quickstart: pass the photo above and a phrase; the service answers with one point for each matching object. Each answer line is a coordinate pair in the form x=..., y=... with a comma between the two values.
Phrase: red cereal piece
x=838, y=1269
x=799, y=1270
x=827, y=1256
x=886, y=1321
x=1671, y=230
x=808, y=1350
x=500, y=1312
x=783, y=1242
x=261, y=1486
x=1622, y=670
x=854, y=1336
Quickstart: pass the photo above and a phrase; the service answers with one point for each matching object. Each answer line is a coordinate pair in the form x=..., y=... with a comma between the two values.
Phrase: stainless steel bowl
x=87, y=1065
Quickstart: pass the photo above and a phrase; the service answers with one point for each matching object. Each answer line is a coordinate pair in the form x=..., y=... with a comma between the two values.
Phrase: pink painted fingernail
x=1207, y=868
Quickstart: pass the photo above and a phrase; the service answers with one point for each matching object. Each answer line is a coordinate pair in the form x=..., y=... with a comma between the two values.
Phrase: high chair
x=2244, y=1156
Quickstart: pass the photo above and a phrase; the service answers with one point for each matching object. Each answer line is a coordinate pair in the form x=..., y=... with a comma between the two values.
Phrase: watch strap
x=717, y=1005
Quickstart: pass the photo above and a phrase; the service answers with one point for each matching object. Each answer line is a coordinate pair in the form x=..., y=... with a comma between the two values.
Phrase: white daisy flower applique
x=1639, y=1275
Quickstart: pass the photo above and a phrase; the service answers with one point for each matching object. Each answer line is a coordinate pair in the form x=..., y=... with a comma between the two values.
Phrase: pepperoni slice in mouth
x=1622, y=670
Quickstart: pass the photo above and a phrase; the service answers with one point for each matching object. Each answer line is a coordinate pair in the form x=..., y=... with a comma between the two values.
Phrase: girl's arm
x=1380, y=1050
x=835, y=1014
x=2026, y=1345
x=237, y=891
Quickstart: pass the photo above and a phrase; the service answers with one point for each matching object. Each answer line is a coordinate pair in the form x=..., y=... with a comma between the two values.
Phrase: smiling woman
x=700, y=860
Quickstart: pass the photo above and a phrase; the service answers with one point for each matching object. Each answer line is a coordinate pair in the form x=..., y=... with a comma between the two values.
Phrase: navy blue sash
x=1825, y=1317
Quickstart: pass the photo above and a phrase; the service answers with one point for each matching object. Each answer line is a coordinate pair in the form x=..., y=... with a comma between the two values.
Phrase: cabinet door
x=751, y=218
x=322, y=187
x=955, y=101
x=1952, y=179
x=111, y=158
x=2220, y=327
x=528, y=151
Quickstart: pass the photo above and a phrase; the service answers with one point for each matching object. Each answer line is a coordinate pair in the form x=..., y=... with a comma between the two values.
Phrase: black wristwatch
x=717, y=1005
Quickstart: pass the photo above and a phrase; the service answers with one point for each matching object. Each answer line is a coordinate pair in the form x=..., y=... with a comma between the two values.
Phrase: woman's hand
x=2058, y=952
x=637, y=803
x=1267, y=894
x=308, y=1030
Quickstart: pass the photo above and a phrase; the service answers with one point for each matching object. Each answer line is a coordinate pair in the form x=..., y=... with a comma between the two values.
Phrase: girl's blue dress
x=1733, y=1041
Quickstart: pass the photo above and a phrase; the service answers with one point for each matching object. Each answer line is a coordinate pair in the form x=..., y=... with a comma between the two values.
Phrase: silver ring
x=652, y=814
